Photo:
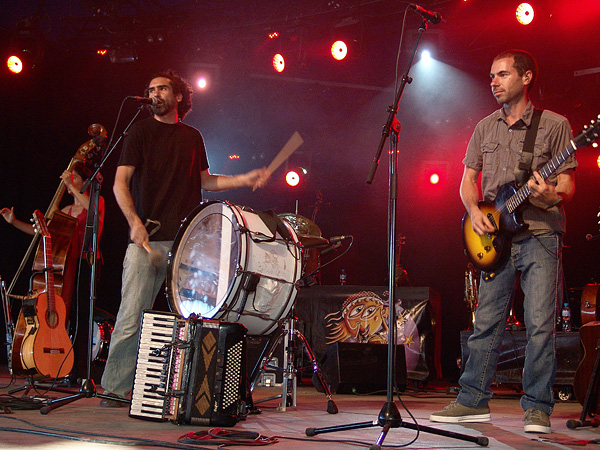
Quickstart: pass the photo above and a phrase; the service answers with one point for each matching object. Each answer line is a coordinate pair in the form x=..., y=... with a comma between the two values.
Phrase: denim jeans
x=539, y=260
x=141, y=283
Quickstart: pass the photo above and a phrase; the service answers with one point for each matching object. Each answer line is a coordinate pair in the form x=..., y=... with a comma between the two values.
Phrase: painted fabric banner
x=359, y=314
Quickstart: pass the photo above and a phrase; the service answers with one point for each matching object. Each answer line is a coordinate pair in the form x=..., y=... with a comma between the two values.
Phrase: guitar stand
x=587, y=404
x=35, y=382
x=288, y=395
x=87, y=390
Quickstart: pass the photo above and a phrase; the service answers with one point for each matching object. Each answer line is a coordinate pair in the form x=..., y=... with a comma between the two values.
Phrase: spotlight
x=202, y=83
x=294, y=176
x=205, y=75
x=14, y=64
x=278, y=62
x=339, y=50
x=434, y=178
x=524, y=13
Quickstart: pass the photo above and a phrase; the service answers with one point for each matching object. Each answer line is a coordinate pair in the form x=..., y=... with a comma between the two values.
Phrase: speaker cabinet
x=359, y=368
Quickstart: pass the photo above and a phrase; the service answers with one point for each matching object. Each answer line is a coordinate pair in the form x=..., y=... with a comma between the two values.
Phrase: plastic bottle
x=343, y=277
x=566, y=318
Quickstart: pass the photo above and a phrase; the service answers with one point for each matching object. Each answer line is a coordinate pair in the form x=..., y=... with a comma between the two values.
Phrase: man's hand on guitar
x=481, y=224
x=544, y=193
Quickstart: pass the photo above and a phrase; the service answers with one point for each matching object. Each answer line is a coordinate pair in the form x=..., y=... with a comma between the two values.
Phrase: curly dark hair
x=523, y=61
x=180, y=86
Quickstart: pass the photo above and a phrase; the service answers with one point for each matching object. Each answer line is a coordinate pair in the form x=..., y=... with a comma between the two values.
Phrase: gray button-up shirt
x=495, y=150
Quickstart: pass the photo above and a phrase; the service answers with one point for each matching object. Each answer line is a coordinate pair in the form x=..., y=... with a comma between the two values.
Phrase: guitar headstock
x=39, y=223
x=589, y=134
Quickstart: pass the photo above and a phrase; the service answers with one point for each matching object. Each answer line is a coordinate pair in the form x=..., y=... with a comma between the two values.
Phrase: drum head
x=203, y=268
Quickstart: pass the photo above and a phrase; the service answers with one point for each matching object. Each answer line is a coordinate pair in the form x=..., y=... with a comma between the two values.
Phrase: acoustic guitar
x=489, y=251
x=585, y=382
x=46, y=347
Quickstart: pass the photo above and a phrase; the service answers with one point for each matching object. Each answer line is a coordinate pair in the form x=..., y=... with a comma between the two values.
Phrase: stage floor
x=85, y=425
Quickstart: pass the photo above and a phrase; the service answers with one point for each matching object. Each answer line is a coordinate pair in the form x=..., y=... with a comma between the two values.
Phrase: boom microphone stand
x=389, y=416
x=88, y=388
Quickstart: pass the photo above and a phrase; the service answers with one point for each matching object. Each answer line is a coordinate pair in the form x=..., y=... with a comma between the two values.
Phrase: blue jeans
x=141, y=283
x=539, y=260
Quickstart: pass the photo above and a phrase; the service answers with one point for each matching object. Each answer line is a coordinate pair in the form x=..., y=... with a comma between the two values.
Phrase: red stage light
x=339, y=50
x=292, y=178
x=524, y=13
x=14, y=64
x=278, y=62
x=434, y=178
x=101, y=51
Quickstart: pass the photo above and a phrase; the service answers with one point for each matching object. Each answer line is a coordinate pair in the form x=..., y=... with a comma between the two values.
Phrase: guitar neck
x=549, y=168
x=49, y=273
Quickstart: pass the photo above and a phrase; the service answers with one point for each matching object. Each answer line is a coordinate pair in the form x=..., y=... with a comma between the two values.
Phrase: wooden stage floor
x=85, y=425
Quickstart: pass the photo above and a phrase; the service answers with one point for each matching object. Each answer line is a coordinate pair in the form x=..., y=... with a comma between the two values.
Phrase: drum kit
x=232, y=264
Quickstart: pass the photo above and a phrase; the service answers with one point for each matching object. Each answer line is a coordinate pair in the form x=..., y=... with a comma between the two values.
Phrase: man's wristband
x=555, y=203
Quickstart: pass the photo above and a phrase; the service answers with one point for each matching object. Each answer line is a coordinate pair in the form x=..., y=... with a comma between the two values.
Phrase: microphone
x=431, y=16
x=146, y=100
x=589, y=237
x=335, y=239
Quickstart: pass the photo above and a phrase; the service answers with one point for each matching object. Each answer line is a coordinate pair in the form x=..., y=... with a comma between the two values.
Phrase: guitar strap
x=523, y=169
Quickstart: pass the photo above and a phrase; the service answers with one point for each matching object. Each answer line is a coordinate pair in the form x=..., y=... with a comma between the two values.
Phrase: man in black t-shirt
x=161, y=173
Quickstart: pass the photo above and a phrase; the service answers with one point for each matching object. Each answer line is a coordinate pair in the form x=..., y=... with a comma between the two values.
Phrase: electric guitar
x=46, y=347
x=489, y=251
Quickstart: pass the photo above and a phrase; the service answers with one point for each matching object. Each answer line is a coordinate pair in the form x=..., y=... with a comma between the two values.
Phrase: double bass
x=62, y=227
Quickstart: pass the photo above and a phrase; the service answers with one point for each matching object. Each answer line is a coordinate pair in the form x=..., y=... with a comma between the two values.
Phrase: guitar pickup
x=490, y=216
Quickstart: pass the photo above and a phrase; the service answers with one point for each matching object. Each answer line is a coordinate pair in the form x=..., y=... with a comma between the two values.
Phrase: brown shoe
x=108, y=403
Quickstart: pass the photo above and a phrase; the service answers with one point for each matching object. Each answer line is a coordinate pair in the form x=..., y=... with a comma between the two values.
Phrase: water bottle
x=566, y=317
x=343, y=277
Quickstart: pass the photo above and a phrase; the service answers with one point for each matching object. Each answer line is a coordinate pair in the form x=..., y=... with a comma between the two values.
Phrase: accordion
x=190, y=371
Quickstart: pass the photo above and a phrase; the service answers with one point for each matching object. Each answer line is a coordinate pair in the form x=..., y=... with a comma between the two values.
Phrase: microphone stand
x=389, y=416
x=88, y=388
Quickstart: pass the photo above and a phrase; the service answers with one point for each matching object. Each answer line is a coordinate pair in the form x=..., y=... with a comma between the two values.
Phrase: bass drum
x=227, y=265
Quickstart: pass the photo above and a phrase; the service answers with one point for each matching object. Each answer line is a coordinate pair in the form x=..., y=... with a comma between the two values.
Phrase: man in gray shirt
x=495, y=150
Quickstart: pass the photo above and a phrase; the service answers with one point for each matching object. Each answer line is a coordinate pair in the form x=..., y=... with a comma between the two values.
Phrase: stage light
x=524, y=13
x=278, y=62
x=101, y=51
x=294, y=176
x=434, y=178
x=202, y=82
x=426, y=57
x=339, y=50
x=598, y=161
x=14, y=64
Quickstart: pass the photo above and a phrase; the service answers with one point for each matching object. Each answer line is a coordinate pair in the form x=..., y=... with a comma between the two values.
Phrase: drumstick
x=156, y=257
x=290, y=147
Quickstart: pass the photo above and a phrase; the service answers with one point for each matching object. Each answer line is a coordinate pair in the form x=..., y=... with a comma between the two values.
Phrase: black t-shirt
x=166, y=184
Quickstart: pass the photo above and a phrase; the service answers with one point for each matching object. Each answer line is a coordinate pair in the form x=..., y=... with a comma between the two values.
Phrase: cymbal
x=308, y=232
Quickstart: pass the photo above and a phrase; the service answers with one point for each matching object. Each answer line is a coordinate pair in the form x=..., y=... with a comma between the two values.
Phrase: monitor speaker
x=359, y=368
